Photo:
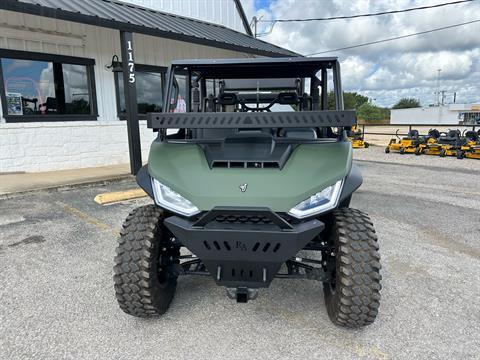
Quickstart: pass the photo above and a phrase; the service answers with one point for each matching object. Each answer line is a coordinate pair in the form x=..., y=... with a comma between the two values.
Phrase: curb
x=86, y=183
x=118, y=196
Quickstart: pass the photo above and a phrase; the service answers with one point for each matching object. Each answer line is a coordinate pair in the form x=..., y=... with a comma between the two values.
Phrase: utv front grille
x=242, y=216
x=246, y=164
x=243, y=219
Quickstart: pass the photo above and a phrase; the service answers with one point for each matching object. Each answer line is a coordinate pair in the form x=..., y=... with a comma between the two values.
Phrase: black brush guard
x=243, y=247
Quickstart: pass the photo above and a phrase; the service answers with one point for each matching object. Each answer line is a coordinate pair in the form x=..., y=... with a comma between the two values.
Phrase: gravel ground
x=57, y=301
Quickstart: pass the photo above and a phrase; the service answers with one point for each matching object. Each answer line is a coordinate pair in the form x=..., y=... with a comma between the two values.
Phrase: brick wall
x=33, y=147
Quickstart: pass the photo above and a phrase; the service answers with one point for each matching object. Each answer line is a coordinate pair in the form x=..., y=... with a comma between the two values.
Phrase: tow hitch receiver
x=242, y=294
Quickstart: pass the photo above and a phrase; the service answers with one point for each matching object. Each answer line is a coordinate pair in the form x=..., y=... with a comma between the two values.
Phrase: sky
x=389, y=71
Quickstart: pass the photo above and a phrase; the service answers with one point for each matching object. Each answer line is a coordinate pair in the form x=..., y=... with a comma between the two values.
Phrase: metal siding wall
x=223, y=12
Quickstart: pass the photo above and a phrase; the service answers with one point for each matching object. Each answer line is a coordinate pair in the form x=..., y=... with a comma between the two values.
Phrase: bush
x=370, y=112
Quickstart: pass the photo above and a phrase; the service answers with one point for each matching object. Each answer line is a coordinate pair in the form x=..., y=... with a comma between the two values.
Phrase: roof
x=284, y=67
x=127, y=17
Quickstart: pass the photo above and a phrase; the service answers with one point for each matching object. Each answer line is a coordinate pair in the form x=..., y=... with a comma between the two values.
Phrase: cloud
x=390, y=70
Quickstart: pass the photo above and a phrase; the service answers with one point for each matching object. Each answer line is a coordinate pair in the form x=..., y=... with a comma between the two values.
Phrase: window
x=149, y=84
x=43, y=87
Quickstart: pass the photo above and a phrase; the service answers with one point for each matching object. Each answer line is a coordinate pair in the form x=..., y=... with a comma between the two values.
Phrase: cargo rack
x=246, y=120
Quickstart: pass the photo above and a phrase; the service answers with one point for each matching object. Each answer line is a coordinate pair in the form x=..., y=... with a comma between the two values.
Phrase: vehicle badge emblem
x=243, y=187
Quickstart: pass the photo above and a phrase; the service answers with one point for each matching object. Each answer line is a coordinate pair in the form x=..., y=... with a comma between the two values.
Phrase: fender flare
x=145, y=181
x=352, y=182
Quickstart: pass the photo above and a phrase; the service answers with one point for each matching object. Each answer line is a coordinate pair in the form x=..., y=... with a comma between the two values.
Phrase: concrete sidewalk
x=22, y=182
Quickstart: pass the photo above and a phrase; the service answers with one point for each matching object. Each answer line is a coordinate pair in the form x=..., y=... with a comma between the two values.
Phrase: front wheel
x=353, y=296
x=143, y=276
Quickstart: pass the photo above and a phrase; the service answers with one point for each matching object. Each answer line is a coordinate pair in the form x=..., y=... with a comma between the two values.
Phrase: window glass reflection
x=45, y=88
x=77, y=96
x=28, y=86
x=149, y=88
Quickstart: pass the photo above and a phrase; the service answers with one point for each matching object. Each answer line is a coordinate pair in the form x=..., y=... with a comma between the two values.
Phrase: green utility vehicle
x=251, y=192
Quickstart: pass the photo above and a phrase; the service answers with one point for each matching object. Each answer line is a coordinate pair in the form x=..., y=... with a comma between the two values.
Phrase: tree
x=370, y=112
x=351, y=100
x=405, y=103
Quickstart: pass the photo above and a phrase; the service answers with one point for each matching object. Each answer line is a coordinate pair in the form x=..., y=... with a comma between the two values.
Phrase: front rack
x=247, y=120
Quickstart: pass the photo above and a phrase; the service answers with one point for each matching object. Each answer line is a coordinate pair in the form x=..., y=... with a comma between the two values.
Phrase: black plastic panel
x=243, y=254
x=258, y=152
x=245, y=120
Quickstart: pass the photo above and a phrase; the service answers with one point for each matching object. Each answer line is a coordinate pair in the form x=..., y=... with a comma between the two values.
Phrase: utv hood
x=309, y=169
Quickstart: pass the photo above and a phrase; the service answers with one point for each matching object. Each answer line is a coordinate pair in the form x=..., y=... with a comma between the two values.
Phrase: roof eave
x=60, y=14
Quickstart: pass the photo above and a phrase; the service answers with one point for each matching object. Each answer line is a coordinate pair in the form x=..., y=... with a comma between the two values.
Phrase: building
x=452, y=114
x=63, y=102
x=228, y=13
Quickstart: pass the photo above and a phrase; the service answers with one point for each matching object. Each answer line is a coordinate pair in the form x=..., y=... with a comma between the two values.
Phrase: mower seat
x=412, y=135
x=452, y=137
x=471, y=136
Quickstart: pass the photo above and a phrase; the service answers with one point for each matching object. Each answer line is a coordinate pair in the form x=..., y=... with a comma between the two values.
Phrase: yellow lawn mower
x=429, y=143
x=450, y=143
x=470, y=148
x=408, y=144
x=356, y=137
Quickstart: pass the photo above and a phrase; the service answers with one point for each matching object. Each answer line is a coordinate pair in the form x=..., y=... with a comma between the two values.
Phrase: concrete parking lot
x=57, y=299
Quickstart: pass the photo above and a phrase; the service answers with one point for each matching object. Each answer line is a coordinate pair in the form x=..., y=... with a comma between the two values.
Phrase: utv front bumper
x=243, y=248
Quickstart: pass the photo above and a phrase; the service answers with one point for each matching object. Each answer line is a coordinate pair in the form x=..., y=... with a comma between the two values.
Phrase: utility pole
x=437, y=93
x=254, y=21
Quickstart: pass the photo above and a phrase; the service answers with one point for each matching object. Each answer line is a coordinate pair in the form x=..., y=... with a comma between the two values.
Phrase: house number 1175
x=131, y=65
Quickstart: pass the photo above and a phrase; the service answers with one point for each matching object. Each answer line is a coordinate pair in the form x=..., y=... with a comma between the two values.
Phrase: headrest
x=287, y=98
x=227, y=99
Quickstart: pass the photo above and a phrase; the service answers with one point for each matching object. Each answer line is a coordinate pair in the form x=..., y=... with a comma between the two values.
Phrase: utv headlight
x=320, y=202
x=171, y=200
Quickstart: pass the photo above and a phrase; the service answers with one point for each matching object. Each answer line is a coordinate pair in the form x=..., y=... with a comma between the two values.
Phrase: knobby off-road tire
x=144, y=286
x=354, y=297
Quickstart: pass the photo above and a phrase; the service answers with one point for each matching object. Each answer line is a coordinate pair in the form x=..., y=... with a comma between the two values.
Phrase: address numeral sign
x=131, y=64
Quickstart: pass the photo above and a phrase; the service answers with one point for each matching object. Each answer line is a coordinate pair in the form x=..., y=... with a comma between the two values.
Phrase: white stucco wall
x=51, y=146
x=439, y=115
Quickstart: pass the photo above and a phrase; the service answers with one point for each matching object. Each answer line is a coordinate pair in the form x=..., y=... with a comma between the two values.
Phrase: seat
x=299, y=133
x=227, y=99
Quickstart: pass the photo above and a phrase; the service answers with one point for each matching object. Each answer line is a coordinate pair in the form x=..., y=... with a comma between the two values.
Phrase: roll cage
x=241, y=93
